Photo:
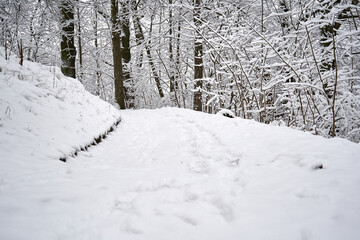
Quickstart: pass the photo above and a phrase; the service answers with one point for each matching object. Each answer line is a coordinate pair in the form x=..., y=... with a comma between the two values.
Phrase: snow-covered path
x=178, y=174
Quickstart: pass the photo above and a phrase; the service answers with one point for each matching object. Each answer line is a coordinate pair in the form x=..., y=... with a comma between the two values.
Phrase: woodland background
x=282, y=62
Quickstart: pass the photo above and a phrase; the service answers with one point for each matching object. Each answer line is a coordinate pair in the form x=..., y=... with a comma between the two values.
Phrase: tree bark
x=79, y=43
x=126, y=53
x=99, y=87
x=21, y=53
x=116, y=49
x=198, y=58
x=171, y=55
x=68, y=50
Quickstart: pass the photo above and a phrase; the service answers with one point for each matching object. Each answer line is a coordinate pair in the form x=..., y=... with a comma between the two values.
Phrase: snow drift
x=45, y=115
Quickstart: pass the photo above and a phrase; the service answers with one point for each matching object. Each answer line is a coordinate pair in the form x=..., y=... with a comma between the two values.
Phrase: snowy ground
x=167, y=174
x=176, y=174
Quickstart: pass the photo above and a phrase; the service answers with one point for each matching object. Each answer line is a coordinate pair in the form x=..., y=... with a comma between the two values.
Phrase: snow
x=226, y=113
x=45, y=115
x=163, y=174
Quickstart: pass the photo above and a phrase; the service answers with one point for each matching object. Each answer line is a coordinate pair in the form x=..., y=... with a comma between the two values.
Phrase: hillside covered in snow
x=162, y=174
x=45, y=115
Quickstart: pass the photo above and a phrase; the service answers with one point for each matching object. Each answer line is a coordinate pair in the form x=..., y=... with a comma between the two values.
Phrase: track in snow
x=165, y=171
x=173, y=174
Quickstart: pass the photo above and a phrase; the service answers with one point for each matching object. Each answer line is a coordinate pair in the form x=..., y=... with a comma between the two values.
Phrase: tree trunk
x=68, y=50
x=99, y=86
x=178, y=61
x=171, y=55
x=116, y=49
x=79, y=43
x=126, y=54
x=21, y=51
x=198, y=58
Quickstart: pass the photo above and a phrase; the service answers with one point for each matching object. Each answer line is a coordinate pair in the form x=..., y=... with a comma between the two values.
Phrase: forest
x=179, y=119
x=281, y=62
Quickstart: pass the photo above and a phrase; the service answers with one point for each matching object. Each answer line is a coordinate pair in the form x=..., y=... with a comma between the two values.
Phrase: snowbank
x=45, y=115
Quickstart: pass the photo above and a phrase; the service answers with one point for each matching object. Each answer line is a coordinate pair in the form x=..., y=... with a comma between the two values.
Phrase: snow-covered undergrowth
x=163, y=174
x=45, y=115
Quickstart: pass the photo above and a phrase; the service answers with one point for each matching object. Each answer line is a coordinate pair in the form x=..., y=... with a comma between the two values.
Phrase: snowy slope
x=163, y=174
x=44, y=115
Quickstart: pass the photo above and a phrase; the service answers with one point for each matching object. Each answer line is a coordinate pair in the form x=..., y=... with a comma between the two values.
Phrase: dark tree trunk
x=21, y=51
x=116, y=47
x=198, y=58
x=125, y=26
x=68, y=50
x=171, y=55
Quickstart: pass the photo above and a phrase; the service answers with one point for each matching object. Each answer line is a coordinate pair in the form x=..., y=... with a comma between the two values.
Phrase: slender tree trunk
x=171, y=55
x=333, y=133
x=68, y=50
x=179, y=86
x=97, y=54
x=177, y=61
x=116, y=49
x=5, y=36
x=79, y=44
x=262, y=95
x=198, y=58
x=126, y=54
x=6, y=49
x=31, y=52
x=21, y=52
x=154, y=72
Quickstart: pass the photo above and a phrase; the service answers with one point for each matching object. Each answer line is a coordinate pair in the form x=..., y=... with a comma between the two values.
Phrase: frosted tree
x=283, y=62
x=198, y=57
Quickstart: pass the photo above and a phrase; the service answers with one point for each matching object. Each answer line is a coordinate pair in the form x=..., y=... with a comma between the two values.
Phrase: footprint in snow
x=225, y=209
x=130, y=228
x=188, y=219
